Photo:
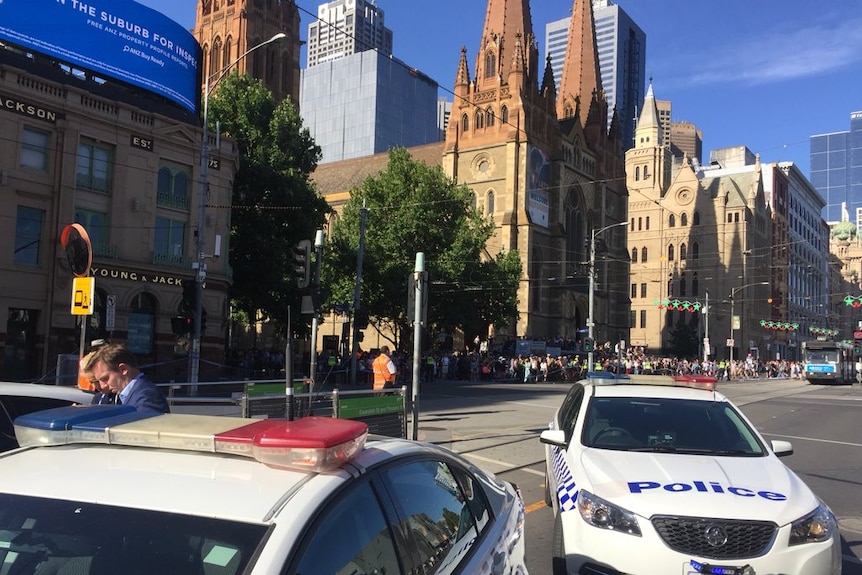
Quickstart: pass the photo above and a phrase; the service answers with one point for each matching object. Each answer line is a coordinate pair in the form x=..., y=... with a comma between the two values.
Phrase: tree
x=684, y=341
x=412, y=207
x=275, y=204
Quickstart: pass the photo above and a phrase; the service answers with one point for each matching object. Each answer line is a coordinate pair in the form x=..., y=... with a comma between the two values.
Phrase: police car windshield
x=668, y=426
x=40, y=535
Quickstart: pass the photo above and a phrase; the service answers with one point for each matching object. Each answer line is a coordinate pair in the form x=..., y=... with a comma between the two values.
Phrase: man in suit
x=115, y=367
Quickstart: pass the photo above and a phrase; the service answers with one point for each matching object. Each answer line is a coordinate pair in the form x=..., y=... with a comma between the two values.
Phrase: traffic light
x=189, y=299
x=302, y=263
x=857, y=347
x=181, y=324
x=589, y=344
x=361, y=319
x=203, y=319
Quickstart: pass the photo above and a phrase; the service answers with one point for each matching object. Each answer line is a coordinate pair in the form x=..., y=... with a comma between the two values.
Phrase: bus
x=829, y=361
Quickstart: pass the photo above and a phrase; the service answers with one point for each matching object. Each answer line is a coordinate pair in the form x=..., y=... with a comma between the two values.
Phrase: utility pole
x=591, y=320
x=357, y=293
x=315, y=302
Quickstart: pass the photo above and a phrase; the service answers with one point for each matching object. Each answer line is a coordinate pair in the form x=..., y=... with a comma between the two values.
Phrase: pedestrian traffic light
x=302, y=263
x=857, y=347
x=589, y=344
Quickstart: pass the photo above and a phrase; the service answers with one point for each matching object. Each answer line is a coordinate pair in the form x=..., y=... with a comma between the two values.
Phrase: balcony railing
x=173, y=201
x=108, y=251
x=167, y=260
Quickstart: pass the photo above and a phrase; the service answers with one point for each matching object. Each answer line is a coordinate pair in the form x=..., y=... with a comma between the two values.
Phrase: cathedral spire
x=648, y=132
x=581, y=77
x=506, y=23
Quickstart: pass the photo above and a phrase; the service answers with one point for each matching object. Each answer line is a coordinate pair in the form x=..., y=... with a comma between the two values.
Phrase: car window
x=39, y=535
x=668, y=425
x=13, y=406
x=353, y=537
x=569, y=410
x=445, y=512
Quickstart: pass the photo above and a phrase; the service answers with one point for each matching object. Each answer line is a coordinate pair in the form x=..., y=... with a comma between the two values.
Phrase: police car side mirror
x=782, y=448
x=555, y=437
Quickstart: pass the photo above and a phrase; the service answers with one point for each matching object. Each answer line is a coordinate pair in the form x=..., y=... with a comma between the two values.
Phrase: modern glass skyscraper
x=622, y=59
x=345, y=27
x=836, y=172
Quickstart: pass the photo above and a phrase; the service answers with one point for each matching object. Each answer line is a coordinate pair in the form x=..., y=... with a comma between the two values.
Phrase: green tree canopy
x=274, y=202
x=411, y=207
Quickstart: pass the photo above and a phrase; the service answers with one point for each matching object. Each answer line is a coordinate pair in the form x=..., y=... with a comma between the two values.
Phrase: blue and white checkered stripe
x=567, y=491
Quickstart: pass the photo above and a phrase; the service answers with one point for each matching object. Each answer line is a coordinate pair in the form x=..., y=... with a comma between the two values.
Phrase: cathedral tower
x=227, y=29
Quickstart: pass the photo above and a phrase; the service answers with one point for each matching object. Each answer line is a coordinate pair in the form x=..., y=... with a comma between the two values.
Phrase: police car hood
x=696, y=485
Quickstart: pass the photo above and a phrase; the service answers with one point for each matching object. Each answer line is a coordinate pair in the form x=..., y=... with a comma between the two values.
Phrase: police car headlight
x=602, y=514
x=815, y=527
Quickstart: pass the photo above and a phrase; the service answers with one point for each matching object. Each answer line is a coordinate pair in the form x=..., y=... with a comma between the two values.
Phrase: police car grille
x=689, y=535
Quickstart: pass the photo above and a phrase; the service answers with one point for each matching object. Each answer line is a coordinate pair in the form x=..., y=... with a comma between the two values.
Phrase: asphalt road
x=496, y=425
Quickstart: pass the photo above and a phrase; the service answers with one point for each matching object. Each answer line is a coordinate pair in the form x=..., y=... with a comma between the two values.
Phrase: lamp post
x=732, y=327
x=199, y=265
x=590, y=322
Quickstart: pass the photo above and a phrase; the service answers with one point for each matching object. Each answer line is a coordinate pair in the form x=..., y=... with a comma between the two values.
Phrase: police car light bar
x=310, y=444
x=693, y=381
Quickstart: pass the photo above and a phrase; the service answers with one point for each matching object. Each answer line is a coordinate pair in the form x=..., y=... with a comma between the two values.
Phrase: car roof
x=183, y=463
x=44, y=390
x=654, y=386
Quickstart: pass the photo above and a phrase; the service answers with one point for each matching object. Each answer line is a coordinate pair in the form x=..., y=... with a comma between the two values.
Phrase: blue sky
x=766, y=74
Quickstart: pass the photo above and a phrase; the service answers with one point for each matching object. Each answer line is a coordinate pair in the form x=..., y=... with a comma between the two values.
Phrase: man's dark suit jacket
x=145, y=396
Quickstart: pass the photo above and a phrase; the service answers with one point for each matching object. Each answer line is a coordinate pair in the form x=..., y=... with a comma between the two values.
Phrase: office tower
x=836, y=171
x=622, y=60
x=345, y=27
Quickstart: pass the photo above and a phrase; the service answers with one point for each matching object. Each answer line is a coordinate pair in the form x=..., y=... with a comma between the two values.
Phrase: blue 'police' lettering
x=704, y=487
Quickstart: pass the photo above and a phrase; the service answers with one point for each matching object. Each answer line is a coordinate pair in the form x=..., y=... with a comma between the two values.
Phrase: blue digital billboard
x=119, y=39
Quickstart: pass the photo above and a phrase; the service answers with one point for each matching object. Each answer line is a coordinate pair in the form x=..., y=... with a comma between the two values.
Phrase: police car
x=21, y=398
x=653, y=474
x=107, y=489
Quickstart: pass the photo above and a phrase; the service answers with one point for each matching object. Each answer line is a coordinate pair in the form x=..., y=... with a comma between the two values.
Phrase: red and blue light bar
x=307, y=444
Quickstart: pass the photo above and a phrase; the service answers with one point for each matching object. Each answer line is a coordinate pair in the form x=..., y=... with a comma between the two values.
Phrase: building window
x=142, y=324
x=490, y=65
x=682, y=253
x=647, y=223
x=174, y=187
x=683, y=219
x=95, y=166
x=643, y=254
x=695, y=219
x=465, y=123
x=695, y=250
x=646, y=172
x=634, y=255
x=490, y=202
x=643, y=319
x=28, y=235
x=682, y=286
x=504, y=114
x=694, y=285
x=634, y=291
x=671, y=221
x=637, y=173
x=640, y=224
x=643, y=290
x=169, y=240
x=632, y=319
x=670, y=253
x=34, y=148
x=489, y=117
x=480, y=120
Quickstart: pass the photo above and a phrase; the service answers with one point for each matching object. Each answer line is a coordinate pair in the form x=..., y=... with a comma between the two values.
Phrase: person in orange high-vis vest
x=384, y=370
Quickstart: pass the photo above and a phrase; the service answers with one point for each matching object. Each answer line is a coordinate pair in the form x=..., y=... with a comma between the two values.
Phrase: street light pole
x=199, y=265
x=732, y=327
x=590, y=321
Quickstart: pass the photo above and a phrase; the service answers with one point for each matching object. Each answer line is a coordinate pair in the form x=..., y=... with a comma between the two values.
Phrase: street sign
x=110, y=312
x=83, y=290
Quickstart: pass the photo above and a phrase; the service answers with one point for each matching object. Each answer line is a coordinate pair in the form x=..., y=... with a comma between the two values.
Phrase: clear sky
x=766, y=74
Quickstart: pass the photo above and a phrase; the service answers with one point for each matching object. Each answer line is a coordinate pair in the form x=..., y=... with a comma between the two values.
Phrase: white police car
x=106, y=489
x=652, y=474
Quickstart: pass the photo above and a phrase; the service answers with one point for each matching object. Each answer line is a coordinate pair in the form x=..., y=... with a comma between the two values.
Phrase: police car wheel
x=548, y=501
x=558, y=552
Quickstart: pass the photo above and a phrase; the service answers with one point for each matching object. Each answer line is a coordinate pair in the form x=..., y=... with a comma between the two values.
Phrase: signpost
x=79, y=253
